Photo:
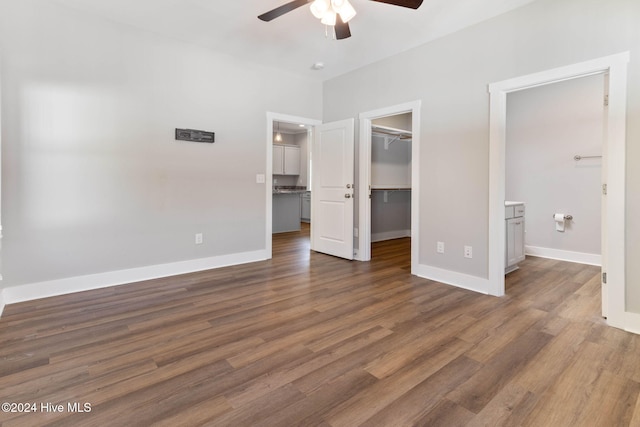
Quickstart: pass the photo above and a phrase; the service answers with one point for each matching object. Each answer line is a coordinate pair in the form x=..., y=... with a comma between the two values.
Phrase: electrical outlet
x=468, y=252
x=198, y=238
x=260, y=178
x=440, y=247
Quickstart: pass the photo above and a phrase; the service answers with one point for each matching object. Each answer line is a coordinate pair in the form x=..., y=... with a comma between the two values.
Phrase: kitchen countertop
x=289, y=190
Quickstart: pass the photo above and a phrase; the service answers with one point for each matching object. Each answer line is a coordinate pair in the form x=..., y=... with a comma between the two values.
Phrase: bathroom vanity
x=514, y=222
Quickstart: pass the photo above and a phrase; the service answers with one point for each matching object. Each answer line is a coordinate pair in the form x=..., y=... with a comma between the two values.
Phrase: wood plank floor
x=306, y=339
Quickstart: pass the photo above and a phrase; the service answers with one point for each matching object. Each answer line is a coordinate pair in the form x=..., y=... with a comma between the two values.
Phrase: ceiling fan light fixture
x=320, y=7
x=347, y=12
x=337, y=5
x=329, y=18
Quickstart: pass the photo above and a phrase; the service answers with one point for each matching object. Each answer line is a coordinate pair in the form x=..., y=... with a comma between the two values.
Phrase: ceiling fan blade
x=285, y=8
x=342, y=29
x=412, y=4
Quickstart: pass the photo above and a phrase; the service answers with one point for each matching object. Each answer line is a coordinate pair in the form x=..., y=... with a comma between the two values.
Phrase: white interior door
x=332, y=189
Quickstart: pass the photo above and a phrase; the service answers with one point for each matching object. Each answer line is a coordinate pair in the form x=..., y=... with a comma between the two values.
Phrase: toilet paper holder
x=567, y=217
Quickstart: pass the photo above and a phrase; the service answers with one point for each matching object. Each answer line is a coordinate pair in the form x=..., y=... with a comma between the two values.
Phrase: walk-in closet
x=391, y=177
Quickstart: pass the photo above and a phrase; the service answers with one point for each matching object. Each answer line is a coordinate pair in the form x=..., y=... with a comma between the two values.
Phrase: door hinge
x=604, y=189
x=606, y=100
x=604, y=278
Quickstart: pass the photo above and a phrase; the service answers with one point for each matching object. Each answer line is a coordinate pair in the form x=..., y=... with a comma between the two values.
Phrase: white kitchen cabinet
x=514, y=218
x=286, y=159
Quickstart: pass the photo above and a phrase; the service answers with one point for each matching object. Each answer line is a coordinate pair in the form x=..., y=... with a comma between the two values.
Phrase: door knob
x=348, y=185
x=347, y=196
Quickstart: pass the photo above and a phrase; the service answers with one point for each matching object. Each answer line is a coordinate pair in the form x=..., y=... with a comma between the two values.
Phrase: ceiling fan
x=335, y=13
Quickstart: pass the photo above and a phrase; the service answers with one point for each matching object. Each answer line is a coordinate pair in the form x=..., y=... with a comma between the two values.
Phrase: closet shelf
x=391, y=188
x=391, y=135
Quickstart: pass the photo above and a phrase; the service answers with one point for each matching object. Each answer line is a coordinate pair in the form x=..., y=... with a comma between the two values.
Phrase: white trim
x=632, y=322
x=453, y=278
x=616, y=66
x=271, y=117
x=2, y=303
x=364, y=181
x=562, y=255
x=364, y=178
x=390, y=235
x=70, y=285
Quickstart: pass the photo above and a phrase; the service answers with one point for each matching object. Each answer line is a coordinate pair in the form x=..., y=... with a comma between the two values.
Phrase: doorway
x=386, y=120
x=553, y=160
x=390, y=194
x=614, y=152
x=288, y=126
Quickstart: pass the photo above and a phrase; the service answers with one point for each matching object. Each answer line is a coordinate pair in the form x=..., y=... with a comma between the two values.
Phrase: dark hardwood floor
x=306, y=339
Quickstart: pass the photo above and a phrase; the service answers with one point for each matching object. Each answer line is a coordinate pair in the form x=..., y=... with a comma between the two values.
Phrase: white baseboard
x=70, y=285
x=389, y=235
x=453, y=278
x=632, y=322
x=579, y=257
x=1, y=301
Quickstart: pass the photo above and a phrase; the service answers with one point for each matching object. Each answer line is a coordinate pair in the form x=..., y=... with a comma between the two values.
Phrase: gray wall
x=92, y=178
x=390, y=168
x=450, y=77
x=546, y=127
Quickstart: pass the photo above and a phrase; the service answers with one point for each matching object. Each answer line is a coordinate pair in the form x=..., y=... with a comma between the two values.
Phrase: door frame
x=278, y=117
x=616, y=67
x=364, y=178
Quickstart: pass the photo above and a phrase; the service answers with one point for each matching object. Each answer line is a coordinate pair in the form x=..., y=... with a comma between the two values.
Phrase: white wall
x=450, y=77
x=92, y=178
x=546, y=127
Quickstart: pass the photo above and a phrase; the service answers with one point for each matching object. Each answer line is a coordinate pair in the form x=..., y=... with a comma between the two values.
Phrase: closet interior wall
x=391, y=178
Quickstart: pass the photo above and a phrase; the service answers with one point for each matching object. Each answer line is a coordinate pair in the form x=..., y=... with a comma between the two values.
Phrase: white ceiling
x=295, y=41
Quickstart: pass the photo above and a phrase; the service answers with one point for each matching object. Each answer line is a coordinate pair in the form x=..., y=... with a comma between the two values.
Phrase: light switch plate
x=260, y=178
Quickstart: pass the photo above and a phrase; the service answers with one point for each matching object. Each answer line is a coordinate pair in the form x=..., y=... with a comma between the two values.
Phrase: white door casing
x=613, y=254
x=364, y=190
x=271, y=117
x=332, y=195
x=603, y=204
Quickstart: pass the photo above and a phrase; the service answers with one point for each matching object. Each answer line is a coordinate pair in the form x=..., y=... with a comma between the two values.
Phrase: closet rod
x=401, y=136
